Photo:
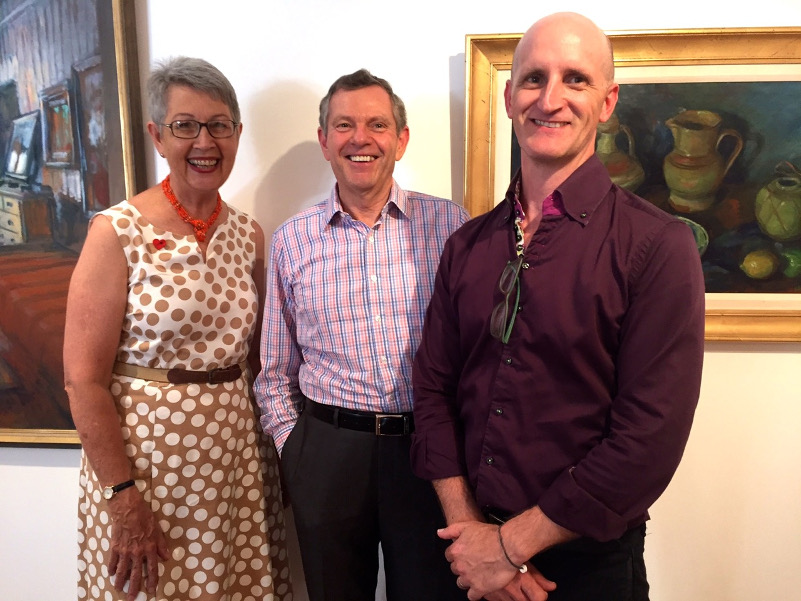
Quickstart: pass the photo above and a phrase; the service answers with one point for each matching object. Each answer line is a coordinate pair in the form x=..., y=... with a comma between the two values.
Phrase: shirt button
x=583, y=214
x=499, y=411
x=490, y=461
x=526, y=265
x=508, y=361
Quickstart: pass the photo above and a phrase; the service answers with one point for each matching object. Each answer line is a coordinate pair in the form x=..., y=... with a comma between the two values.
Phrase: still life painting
x=726, y=159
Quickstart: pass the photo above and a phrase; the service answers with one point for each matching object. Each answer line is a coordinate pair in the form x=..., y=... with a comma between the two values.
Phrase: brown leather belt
x=380, y=424
x=217, y=375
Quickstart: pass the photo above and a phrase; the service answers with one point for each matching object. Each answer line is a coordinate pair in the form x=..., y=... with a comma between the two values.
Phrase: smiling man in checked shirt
x=349, y=282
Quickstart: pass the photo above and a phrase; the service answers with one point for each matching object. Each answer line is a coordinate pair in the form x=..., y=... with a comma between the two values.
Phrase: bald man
x=560, y=363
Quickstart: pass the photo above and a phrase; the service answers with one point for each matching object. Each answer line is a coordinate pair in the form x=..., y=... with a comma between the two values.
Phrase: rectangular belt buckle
x=212, y=374
x=378, y=419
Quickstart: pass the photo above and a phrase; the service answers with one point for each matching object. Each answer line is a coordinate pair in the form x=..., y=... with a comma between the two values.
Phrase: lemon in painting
x=759, y=264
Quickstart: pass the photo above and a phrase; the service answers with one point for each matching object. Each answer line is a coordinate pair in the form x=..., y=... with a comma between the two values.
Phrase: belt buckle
x=211, y=373
x=379, y=417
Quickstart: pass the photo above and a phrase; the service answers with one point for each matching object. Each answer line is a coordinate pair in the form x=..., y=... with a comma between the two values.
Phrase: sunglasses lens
x=507, y=279
x=498, y=319
x=500, y=314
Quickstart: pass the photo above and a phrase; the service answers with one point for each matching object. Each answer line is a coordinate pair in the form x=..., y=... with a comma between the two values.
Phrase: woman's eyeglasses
x=188, y=129
x=502, y=319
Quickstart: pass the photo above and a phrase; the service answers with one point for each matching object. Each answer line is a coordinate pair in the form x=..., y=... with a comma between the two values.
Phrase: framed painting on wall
x=91, y=127
x=712, y=84
x=57, y=126
x=91, y=119
x=21, y=152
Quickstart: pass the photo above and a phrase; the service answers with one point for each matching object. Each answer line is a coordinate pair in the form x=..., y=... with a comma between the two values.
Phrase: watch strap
x=121, y=486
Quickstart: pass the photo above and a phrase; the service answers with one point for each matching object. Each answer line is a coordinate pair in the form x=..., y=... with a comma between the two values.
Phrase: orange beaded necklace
x=201, y=227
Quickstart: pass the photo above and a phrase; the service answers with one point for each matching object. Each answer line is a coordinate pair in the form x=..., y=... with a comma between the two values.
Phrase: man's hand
x=481, y=567
x=531, y=586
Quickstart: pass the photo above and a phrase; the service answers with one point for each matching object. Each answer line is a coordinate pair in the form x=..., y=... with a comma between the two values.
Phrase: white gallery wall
x=729, y=525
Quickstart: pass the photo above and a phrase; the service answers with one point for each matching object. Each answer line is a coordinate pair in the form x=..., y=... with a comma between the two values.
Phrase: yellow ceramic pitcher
x=694, y=169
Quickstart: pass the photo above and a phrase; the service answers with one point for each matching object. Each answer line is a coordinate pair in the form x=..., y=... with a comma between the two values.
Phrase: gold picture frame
x=488, y=61
x=125, y=144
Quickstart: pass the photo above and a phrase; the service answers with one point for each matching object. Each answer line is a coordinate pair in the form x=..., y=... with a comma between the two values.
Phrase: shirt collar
x=398, y=199
x=580, y=194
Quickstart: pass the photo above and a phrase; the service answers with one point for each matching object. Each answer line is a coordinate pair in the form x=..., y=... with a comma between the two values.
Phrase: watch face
x=108, y=492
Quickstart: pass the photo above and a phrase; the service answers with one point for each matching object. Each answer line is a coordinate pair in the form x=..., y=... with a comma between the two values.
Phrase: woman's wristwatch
x=110, y=491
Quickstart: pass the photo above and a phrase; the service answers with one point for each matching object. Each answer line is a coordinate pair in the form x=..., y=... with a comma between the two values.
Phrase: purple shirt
x=587, y=409
x=345, y=306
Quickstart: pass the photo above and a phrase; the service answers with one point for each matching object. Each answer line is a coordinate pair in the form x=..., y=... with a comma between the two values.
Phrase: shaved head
x=562, y=86
x=573, y=24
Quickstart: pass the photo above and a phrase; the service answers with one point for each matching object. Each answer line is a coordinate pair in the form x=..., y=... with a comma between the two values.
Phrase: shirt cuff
x=572, y=507
x=280, y=435
x=437, y=453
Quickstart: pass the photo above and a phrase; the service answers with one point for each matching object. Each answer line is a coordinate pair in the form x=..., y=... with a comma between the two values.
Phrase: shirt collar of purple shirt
x=552, y=205
x=578, y=196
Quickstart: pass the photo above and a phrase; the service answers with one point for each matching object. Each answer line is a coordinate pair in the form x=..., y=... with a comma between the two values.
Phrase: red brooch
x=159, y=243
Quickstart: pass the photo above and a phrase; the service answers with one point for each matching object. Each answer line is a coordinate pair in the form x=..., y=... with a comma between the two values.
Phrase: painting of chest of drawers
x=24, y=215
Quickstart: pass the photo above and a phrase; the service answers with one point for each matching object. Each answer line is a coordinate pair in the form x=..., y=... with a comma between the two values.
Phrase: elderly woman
x=177, y=486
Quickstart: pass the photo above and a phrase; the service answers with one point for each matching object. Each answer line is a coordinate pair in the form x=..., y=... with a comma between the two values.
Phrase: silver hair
x=356, y=81
x=194, y=73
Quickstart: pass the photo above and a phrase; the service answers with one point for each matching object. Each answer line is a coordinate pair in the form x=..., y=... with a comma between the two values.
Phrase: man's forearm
x=476, y=554
x=524, y=536
x=531, y=532
x=456, y=499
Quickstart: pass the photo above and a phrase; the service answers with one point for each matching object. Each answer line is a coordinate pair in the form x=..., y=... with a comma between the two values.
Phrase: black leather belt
x=380, y=424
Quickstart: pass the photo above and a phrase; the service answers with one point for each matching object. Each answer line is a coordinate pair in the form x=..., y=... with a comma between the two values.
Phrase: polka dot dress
x=197, y=452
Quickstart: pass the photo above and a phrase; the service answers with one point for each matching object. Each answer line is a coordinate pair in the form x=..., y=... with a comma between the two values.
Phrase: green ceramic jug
x=778, y=204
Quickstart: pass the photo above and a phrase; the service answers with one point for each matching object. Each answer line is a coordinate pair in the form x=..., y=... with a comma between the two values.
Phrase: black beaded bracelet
x=522, y=569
